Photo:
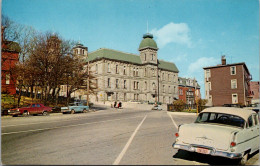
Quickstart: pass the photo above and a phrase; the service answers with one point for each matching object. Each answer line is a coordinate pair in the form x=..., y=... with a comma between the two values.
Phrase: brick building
x=9, y=56
x=189, y=90
x=254, y=86
x=227, y=84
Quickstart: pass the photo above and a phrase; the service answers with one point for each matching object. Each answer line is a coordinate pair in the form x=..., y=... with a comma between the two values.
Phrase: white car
x=221, y=131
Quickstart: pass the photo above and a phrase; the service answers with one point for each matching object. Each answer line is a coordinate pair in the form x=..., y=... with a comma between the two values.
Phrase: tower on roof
x=148, y=49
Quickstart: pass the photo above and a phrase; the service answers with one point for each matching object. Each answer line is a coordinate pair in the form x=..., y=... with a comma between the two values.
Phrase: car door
x=33, y=109
x=252, y=133
x=39, y=109
x=256, y=131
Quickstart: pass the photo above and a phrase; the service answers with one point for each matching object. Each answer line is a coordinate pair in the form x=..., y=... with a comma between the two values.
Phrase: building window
x=234, y=98
x=144, y=57
x=116, y=83
x=145, y=85
x=108, y=68
x=163, y=88
x=152, y=57
x=153, y=86
x=168, y=77
x=233, y=70
x=116, y=69
x=209, y=85
x=207, y=74
x=124, y=84
x=137, y=85
x=163, y=76
x=136, y=72
x=108, y=82
x=96, y=83
x=234, y=84
x=7, y=79
x=181, y=92
x=169, y=90
x=83, y=51
x=124, y=70
x=134, y=84
x=145, y=72
x=96, y=68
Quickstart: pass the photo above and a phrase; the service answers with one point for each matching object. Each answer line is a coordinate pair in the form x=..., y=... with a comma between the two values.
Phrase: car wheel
x=45, y=113
x=243, y=160
x=72, y=111
x=26, y=113
x=84, y=111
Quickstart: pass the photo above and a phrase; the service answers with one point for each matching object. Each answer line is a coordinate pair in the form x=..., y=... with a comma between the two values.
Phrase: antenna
x=147, y=27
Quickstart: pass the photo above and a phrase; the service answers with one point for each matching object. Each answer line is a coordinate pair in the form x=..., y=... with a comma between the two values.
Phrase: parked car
x=221, y=131
x=35, y=108
x=157, y=107
x=75, y=107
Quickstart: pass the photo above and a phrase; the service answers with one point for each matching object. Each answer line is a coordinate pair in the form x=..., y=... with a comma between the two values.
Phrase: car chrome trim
x=213, y=152
x=248, y=140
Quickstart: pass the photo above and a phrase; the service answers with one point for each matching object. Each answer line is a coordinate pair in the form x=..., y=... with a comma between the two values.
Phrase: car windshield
x=220, y=118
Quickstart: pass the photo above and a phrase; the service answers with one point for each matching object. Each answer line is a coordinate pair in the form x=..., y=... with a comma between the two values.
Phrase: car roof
x=244, y=113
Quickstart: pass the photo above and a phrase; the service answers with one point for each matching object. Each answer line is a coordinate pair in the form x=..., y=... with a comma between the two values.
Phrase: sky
x=191, y=33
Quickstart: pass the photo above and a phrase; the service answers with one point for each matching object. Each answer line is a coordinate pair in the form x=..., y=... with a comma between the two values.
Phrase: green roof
x=167, y=66
x=114, y=55
x=127, y=57
x=148, y=42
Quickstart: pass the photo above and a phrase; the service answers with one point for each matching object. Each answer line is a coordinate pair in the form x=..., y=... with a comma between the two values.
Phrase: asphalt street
x=108, y=136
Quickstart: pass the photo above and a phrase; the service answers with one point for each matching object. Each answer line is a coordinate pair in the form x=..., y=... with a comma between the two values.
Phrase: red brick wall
x=221, y=85
x=254, y=86
x=7, y=63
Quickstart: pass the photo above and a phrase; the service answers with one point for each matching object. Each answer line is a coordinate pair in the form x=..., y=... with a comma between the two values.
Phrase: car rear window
x=220, y=118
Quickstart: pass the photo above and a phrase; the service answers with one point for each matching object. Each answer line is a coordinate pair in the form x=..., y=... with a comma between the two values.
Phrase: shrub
x=201, y=104
x=179, y=105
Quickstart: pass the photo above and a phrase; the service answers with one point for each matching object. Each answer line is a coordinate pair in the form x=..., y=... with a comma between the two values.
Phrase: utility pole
x=158, y=79
x=88, y=83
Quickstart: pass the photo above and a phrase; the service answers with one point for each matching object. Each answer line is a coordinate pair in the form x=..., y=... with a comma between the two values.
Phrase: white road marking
x=121, y=155
x=173, y=121
x=65, y=126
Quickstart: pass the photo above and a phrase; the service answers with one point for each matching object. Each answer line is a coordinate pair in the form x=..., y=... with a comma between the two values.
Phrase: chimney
x=223, y=60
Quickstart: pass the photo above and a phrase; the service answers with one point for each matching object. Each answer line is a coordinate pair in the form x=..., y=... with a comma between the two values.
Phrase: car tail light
x=232, y=144
x=177, y=134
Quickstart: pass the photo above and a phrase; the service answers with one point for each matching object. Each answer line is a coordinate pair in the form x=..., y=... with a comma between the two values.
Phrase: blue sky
x=191, y=33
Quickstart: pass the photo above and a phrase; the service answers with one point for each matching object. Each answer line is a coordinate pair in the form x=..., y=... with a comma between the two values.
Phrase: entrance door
x=234, y=98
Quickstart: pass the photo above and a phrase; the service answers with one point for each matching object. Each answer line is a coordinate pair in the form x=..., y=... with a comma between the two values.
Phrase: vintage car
x=221, y=131
x=35, y=108
x=157, y=107
x=75, y=107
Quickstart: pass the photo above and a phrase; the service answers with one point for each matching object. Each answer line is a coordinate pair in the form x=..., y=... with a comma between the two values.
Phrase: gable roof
x=126, y=57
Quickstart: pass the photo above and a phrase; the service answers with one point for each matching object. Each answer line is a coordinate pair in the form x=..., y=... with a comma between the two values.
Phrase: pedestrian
x=115, y=104
x=120, y=104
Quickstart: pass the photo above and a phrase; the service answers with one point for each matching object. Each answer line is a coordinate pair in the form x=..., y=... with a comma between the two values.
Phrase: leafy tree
x=201, y=104
x=179, y=105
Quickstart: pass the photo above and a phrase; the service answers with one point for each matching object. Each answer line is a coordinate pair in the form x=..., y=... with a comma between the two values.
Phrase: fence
x=170, y=107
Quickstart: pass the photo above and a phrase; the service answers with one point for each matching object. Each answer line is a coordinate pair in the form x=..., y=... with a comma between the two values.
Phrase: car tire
x=72, y=111
x=84, y=111
x=243, y=160
x=26, y=113
x=44, y=113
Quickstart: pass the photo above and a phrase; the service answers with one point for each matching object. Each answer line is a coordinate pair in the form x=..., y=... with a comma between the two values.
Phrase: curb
x=182, y=113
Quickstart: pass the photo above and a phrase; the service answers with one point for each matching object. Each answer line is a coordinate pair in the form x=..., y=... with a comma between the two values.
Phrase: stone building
x=189, y=90
x=227, y=84
x=124, y=76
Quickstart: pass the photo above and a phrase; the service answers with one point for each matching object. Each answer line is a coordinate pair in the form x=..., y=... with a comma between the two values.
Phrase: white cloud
x=202, y=62
x=172, y=33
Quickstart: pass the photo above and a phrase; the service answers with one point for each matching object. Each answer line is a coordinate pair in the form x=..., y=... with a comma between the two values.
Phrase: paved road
x=109, y=136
